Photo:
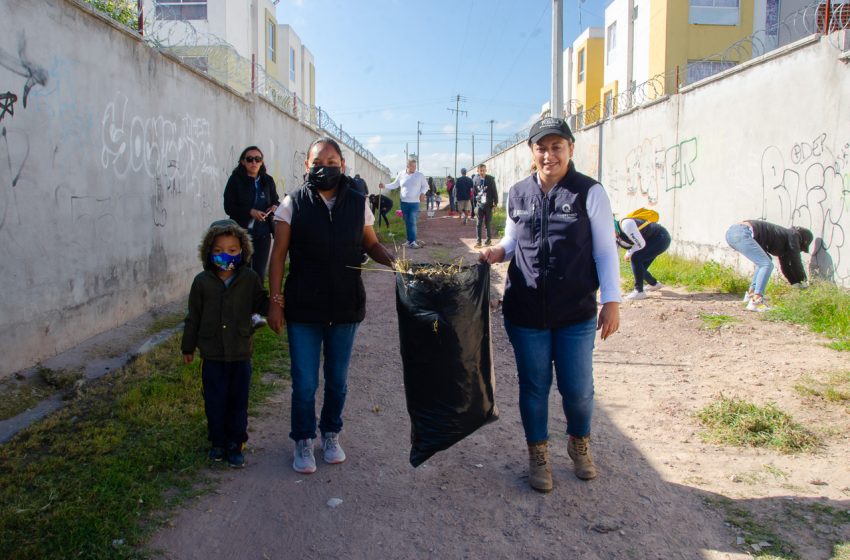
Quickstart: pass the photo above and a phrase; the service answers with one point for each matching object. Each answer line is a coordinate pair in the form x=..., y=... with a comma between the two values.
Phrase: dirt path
x=473, y=500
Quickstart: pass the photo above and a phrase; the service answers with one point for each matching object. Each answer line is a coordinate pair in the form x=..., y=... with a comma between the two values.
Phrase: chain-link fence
x=817, y=17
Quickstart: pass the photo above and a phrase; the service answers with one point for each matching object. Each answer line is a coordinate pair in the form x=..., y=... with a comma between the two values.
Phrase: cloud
x=373, y=142
x=387, y=115
x=506, y=125
x=449, y=128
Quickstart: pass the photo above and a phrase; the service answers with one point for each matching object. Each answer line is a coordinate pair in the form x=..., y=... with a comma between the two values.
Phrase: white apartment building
x=224, y=38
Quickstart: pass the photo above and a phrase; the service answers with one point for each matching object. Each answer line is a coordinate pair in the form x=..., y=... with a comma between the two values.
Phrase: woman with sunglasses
x=250, y=199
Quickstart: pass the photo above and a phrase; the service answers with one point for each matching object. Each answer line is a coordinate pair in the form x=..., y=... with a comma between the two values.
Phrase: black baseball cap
x=547, y=126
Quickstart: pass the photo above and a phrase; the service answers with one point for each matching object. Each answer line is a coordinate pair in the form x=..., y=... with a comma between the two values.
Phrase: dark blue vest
x=552, y=278
x=325, y=251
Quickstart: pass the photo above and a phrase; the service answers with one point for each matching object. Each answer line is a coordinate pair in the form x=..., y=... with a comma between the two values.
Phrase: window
x=181, y=9
x=580, y=66
x=611, y=41
x=701, y=69
x=291, y=64
x=197, y=62
x=270, y=38
x=714, y=12
x=609, y=103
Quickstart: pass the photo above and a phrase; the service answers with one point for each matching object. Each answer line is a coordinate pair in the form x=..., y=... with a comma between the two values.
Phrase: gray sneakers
x=305, y=461
x=331, y=449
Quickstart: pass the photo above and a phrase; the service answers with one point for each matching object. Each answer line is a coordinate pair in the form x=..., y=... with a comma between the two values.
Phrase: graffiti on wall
x=653, y=167
x=15, y=151
x=178, y=155
x=811, y=190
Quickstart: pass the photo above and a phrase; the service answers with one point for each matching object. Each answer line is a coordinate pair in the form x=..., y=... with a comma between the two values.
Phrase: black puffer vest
x=552, y=278
x=325, y=251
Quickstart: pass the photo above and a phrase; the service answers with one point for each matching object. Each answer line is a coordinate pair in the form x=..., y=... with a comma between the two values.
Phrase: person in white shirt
x=413, y=185
x=644, y=241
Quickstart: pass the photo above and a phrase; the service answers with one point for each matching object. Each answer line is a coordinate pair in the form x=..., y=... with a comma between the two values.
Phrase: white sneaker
x=635, y=295
x=747, y=297
x=655, y=288
x=331, y=448
x=415, y=245
x=757, y=305
x=305, y=461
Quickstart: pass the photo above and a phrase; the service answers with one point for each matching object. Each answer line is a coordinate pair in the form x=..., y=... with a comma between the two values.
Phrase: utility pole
x=491, y=136
x=473, y=150
x=405, y=154
x=556, y=102
x=418, y=155
x=446, y=167
x=457, y=112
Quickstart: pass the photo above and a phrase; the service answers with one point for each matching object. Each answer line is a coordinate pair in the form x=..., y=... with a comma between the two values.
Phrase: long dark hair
x=239, y=168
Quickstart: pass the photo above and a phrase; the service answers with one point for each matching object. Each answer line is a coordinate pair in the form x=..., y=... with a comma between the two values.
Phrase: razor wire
x=218, y=59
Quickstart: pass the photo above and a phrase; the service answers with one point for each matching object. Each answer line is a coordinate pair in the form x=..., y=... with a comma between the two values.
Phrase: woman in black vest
x=559, y=238
x=250, y=199
x=324, y=227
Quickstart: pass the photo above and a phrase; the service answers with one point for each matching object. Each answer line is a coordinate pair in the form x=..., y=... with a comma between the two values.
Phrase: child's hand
x=187, y=358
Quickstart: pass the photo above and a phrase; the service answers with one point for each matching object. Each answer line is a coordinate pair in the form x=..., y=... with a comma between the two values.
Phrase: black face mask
x=324, y=178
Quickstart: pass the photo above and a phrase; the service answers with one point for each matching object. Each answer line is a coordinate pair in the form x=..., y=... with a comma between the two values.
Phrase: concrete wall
x=113, y=161
x=769, y=139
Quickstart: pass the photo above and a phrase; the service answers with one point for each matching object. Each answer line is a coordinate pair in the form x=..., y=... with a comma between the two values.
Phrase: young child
x=222, y=299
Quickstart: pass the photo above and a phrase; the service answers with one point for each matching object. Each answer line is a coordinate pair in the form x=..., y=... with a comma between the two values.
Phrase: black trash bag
x=444, y=329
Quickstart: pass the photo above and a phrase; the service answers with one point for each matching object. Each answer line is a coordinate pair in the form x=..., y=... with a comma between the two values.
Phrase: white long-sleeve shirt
x=412, y=185
x=604, y=248
x=630, y=228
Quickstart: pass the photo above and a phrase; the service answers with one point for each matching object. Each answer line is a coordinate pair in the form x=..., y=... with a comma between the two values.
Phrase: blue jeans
x=410, y=213
x=641, y=260
x=740, y=238
x=306, y=342
x=570, y=348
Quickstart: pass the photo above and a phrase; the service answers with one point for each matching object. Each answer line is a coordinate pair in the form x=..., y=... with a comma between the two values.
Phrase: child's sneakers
x=235, y=457
x=216, y=453
x=305, y=461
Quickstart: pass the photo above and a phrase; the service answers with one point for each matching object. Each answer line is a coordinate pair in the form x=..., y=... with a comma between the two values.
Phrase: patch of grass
x=754, y=532
x=834, y=389
x=824, y=307
x=166, y=321
x=713, y=321
x=89, y=480
x=498, y=221
x=829, y=514
x=694, y=275
x=841, y=551
x=19, y=396
x=59, y=379
x=776, y=472
x=737, y=422
x=396, y=234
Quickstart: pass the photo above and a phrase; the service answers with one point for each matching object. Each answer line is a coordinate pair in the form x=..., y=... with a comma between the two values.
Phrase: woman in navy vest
x=559, y=238
x=324, y=227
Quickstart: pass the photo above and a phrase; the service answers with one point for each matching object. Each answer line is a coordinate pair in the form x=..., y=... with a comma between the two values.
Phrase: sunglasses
x=252, y=159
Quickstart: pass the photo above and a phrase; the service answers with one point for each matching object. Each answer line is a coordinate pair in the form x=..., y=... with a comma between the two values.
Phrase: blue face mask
x=225, y=262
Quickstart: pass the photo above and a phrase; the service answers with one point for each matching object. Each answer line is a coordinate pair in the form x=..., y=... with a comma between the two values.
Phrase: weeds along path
x=661, y=492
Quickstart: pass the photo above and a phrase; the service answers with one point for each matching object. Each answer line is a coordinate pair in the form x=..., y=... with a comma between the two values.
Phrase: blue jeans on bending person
x=641, y=260
x=570, y=350
x=410, y=213
x=307, y=343
x=740, y=238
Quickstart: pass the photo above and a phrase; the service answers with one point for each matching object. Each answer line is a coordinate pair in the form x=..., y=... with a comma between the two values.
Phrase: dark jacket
x=785, y=243
x=486, y=191
x=325, y=252
x=240, y=196
x=218, y=322
x=552, y=279
x=463, y=188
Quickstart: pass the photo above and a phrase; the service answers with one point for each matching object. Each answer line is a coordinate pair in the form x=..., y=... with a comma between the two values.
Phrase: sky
x=384, y=65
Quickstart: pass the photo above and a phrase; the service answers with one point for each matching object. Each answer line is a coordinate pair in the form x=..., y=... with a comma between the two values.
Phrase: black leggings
x=261, y=255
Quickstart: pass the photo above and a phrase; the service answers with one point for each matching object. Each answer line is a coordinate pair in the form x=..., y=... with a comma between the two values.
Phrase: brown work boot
x=539, y=470
x=579, y=451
